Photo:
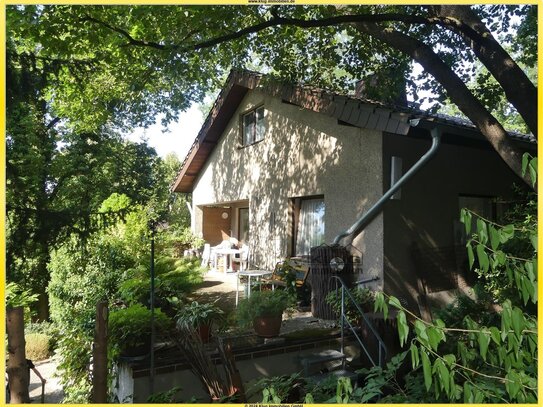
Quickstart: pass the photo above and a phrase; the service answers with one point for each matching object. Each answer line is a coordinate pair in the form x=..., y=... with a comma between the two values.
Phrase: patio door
x=243, y=226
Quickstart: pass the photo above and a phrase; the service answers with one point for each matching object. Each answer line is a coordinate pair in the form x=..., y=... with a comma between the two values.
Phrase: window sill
x=241, y=147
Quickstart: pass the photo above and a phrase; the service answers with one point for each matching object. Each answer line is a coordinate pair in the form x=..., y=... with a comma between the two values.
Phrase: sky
x=177, y=138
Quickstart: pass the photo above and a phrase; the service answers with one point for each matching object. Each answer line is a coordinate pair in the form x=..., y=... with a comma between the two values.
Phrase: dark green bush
x=131, y=327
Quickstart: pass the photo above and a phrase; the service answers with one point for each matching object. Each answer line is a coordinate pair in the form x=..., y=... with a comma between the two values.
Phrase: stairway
x=319, y=366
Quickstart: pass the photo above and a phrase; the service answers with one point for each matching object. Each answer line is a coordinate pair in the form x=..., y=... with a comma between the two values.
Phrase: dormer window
x=253, y=126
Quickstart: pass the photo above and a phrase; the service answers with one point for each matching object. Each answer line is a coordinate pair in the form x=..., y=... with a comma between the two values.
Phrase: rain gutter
x=363, y=221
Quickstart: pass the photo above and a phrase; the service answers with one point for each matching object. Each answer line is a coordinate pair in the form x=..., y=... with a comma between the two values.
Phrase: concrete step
x=321, y=358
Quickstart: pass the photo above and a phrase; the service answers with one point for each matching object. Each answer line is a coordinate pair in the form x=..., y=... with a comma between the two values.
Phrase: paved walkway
x=53, y=393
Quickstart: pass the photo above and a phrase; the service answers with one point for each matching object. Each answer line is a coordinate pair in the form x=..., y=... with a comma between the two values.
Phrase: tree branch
x=518, y=88
x=131, y=40
x=456, y=89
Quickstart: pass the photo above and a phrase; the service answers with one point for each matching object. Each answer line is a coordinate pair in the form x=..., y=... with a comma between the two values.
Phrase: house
x=288, y=167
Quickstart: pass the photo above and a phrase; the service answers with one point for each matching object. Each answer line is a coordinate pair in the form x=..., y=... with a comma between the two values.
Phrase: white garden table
x=250, y=273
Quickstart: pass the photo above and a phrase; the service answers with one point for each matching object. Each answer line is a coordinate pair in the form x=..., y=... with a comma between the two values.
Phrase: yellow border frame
x=4, y=3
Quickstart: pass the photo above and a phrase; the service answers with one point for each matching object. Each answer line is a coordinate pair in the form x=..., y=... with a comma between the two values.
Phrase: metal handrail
x=381, y=343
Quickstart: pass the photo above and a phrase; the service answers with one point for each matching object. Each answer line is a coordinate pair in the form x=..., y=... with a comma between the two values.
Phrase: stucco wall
x=428, y=207
x=303, y=153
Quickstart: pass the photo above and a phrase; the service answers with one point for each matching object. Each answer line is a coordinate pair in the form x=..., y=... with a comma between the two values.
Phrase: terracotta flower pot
x=268, y=326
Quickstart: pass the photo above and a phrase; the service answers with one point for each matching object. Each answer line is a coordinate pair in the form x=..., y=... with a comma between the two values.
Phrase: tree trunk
x=457, y=91
x=99, y=355
x=519, y=90
x=18, y=371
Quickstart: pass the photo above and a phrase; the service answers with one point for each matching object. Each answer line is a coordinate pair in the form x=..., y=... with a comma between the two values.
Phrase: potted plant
x=130, y=329
x=363, y=296
x=200, y=317
x=263, y=310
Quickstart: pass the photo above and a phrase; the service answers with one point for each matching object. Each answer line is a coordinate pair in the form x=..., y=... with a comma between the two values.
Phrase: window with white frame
x=253, y=126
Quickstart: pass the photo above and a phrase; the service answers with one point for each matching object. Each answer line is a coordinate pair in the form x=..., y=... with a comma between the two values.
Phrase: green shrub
x=363, y=296
x=263, y=303
x=37, y=346
x=130, y=327
x=197, y=314
x=173, y=277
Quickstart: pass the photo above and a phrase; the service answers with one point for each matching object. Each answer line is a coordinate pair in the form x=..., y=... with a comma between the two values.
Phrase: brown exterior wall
x=428, y=208
x=215, y=228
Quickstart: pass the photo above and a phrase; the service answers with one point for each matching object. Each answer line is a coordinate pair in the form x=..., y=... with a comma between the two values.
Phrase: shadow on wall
x=293, y=160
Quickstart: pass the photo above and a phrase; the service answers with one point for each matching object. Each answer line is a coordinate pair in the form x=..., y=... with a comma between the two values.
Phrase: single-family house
x=285, y=167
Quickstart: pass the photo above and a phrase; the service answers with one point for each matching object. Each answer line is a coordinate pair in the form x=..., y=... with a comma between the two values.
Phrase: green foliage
x=37, y=346
x=262, y=303
x=18, y=297
x=279, y=389
x=183, y=239
x=130, y=328
x=165, y=396
x=46, y=328
x=481, y=358
x=364, y=297
x=173, y=278
x=196, y=314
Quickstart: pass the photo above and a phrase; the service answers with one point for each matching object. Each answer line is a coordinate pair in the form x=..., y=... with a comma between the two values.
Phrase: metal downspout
x=362, y=222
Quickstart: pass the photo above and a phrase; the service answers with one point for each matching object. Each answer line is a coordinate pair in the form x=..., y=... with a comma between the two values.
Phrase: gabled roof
x=356, y=111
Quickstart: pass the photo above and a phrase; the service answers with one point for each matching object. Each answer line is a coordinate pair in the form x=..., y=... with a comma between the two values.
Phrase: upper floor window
x=253, y=126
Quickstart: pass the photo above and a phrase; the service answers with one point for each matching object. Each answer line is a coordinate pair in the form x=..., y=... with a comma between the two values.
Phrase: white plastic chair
x=206, y=255
x=243, y=258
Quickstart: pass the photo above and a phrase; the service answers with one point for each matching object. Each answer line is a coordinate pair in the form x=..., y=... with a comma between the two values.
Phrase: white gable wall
x=303, y=153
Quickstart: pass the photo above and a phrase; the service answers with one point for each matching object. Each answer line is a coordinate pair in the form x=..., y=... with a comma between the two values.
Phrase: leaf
x=466, y=219
x=483, y=340
x=494, y=237
x=512, y=384
x=395, y=302
x=482, y=257
x=468, y=396
x=525, y=159
x=403, y=328
x=506, y=233
x=450, y=359
x=532, y=167
x=434, y=337
x=470, y=256
x=495, y=334
x=443, y=374
x=482, y=231
x=414, y=356
x=420, y=330
x=518, y=321
x=533, y=240
x=426, y=369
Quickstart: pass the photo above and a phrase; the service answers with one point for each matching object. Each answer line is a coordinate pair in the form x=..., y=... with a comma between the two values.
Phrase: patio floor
x=221, y=287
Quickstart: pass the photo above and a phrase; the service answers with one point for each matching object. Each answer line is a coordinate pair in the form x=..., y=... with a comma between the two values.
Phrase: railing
x=380, y=343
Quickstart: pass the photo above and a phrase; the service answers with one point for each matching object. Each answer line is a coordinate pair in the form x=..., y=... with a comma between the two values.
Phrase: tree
x=58, y=177
x=160, y=59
